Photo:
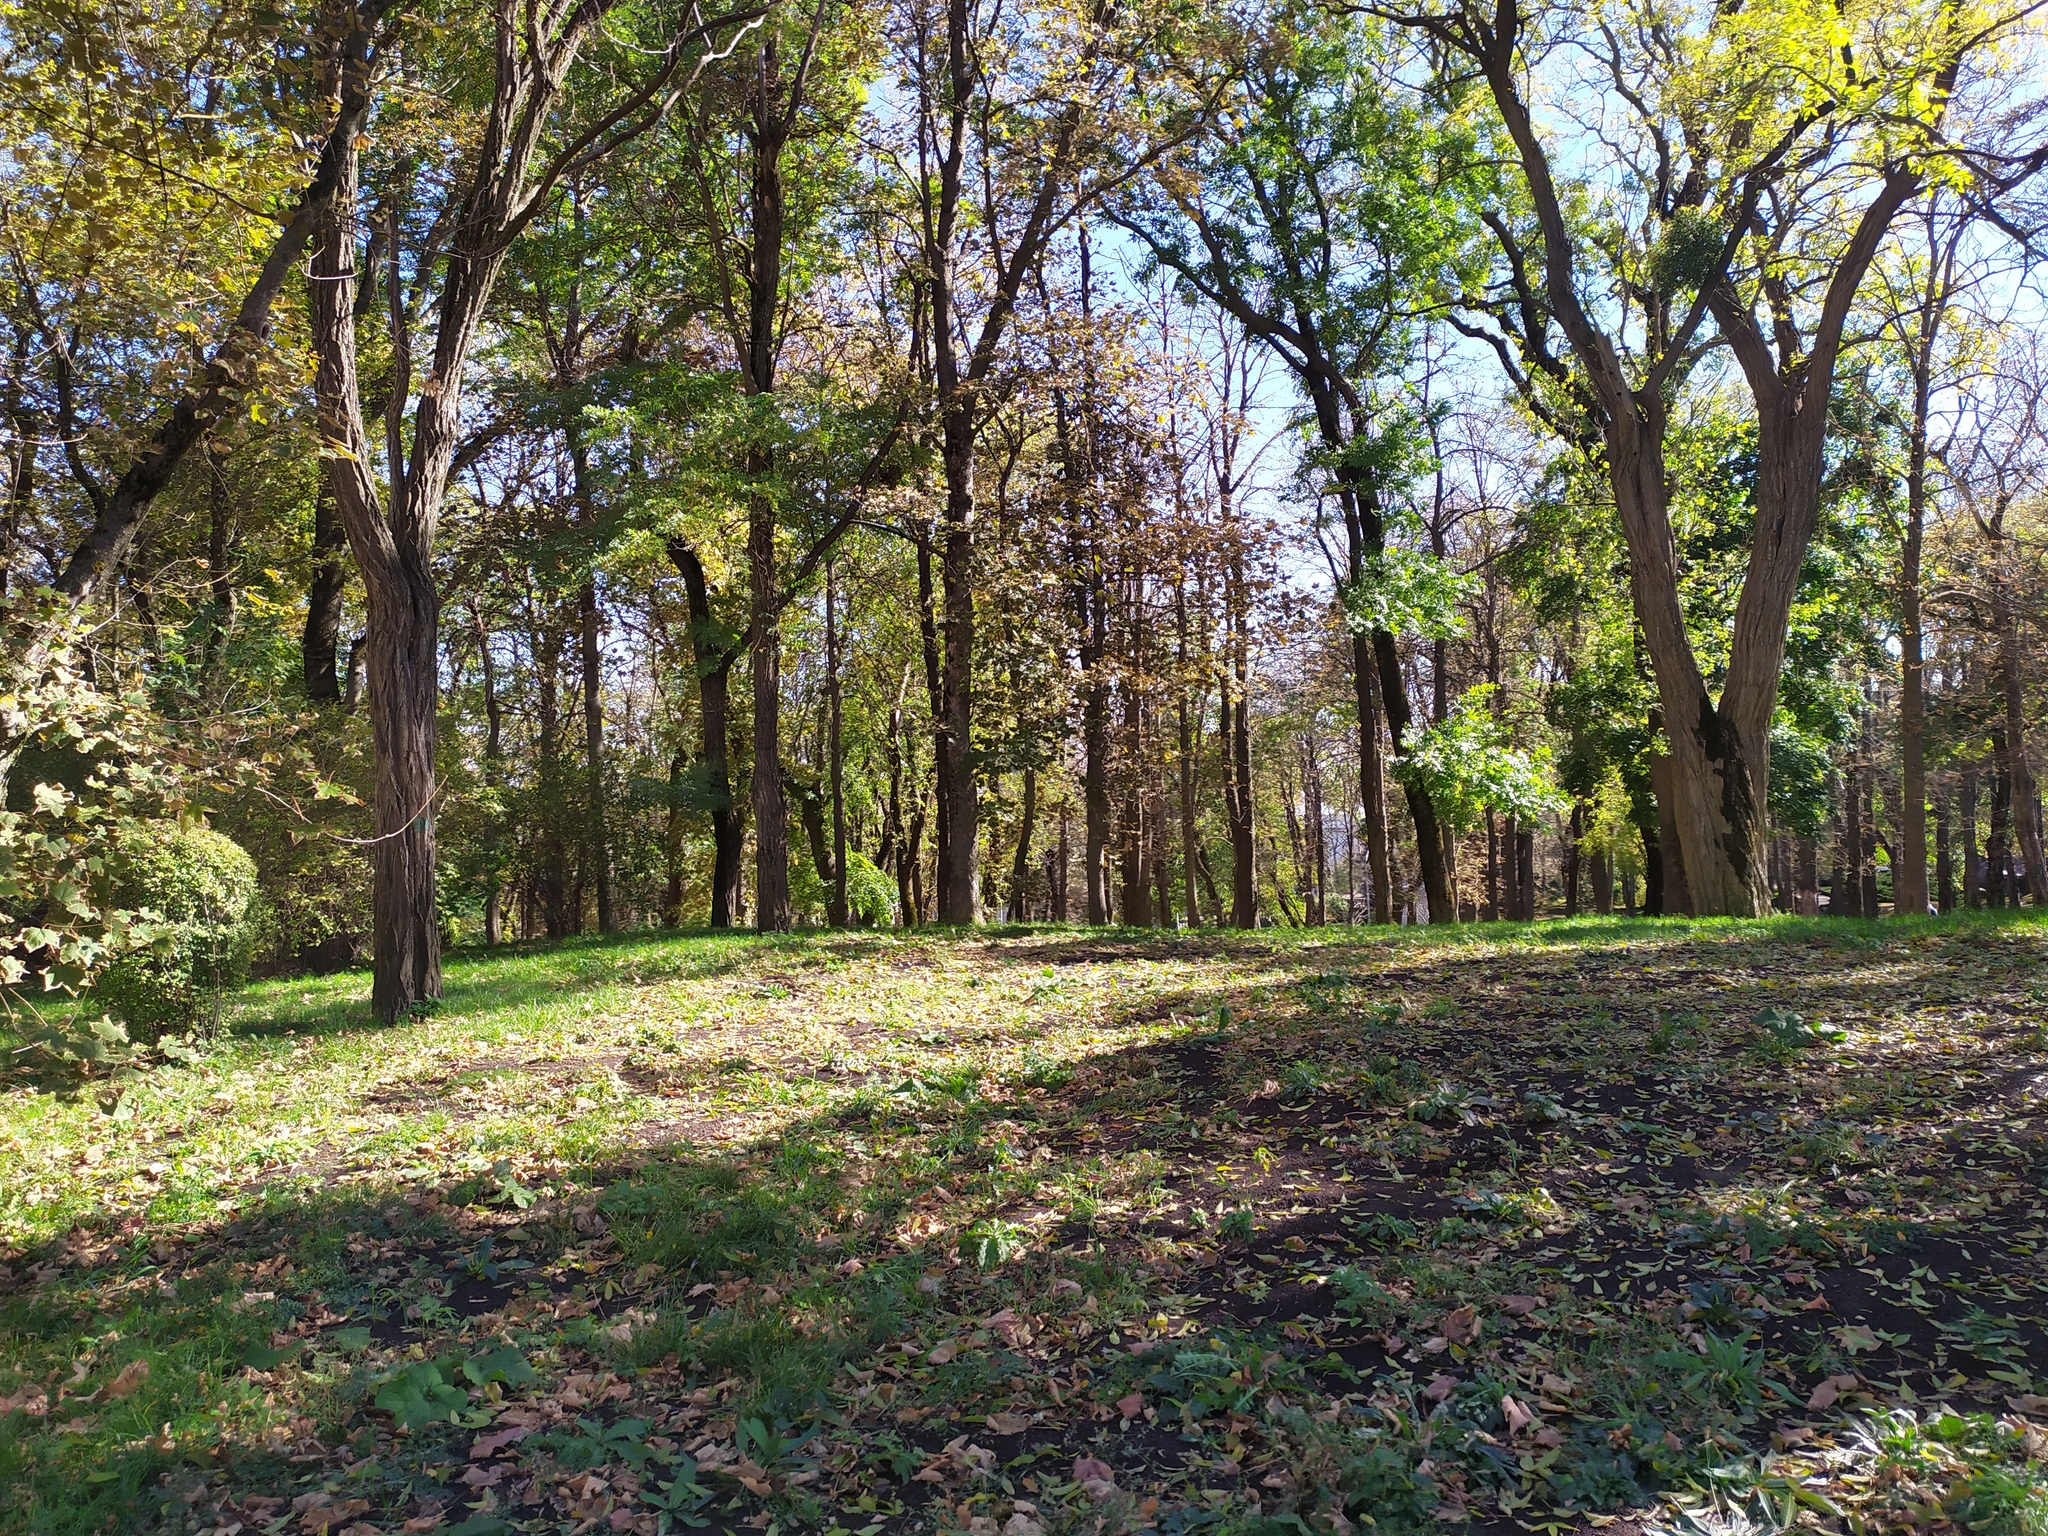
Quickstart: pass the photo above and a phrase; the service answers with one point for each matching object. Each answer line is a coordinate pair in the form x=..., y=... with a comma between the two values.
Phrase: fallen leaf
x=1132, y=1406
x=1440, y=1388
x=31, y=1400
x=1094, y=1476
x=1519, y=1418
x=1461, y=1326
x=1008, y=1423
x=1520, y=1306
x=1829, y=1390
x=132, y=1375
x=490, y=1445
x=943, y=1353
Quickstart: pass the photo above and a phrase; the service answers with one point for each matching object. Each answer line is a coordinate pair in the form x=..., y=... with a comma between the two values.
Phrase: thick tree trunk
x=1674, y=886
x=403, y=663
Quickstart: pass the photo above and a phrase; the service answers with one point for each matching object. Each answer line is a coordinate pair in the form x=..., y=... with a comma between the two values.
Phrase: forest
x=687, y=695
x=1286, y=466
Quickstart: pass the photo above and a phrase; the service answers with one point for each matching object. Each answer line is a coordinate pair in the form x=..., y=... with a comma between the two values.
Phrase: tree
x=493, y=192
x=1765, y=161
x=1322, y=217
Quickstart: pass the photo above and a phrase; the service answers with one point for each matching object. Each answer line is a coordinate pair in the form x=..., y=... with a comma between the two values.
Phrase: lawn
x=1709, y=1227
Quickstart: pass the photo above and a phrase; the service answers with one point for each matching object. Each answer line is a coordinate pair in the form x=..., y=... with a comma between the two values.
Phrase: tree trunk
x=1867, y=838
x=836, y=909
x=1571, y=858
x=714, y=663
x=320, y=650
x=1806, y=877
x=1095, y=792
x=959, y=869
x=1998, y=839
x=1944, y=864
x=771, y=812
x=1673, y=886
x=672, y=844
x=1136, y=903
x=1909, y=866
x=1062, y=862
x=1372, y=779
x=1185, y=762
x=1020, y=866
x=593, y=753
x=928, y=637
x=1973, y=868
x=403, y=663
x=1603, y=885
x=494, y=753
x=2026, y=808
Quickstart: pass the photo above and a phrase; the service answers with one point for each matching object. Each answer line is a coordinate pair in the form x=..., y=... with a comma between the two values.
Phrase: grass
x=1726, y=1224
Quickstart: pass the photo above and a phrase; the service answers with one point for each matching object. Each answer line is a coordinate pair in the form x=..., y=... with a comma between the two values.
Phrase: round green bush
x=202, y=888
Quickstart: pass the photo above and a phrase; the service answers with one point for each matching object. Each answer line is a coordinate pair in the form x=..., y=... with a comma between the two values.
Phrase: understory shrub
x=201, y=886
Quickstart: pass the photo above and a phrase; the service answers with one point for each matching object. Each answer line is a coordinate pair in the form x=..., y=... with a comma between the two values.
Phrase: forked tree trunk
x=1717, y=772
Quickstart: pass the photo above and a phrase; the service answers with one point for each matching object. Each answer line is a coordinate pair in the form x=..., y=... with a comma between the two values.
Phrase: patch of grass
x=808, y=1228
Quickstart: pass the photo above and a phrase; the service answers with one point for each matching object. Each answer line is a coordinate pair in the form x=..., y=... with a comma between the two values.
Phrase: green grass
x=800, y=1213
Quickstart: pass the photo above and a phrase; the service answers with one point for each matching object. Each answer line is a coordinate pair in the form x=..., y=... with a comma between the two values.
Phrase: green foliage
x=83, y=768
x=199, y=887
x=419, y=1395
x=1466, y=766
x=1403, y=591
x=994, y=1242
x=1687, y=252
